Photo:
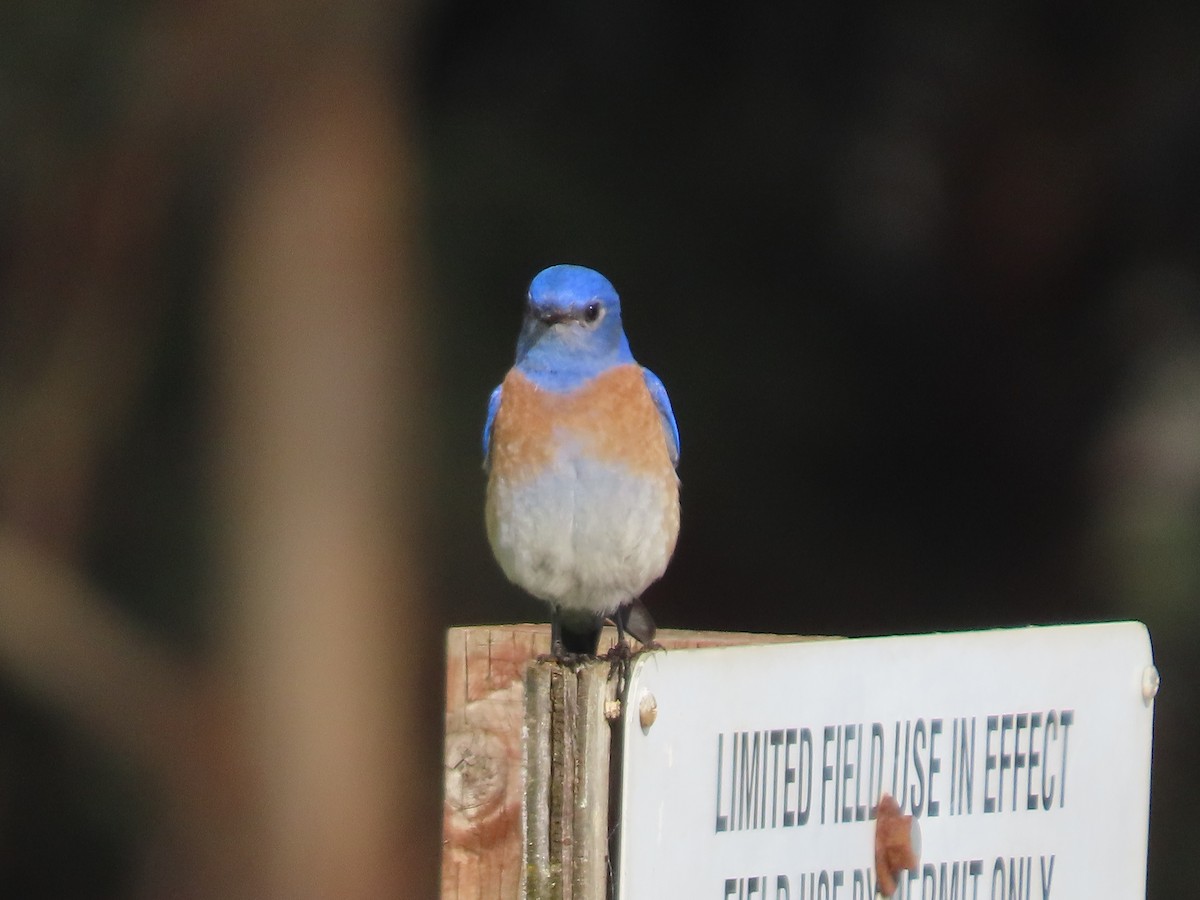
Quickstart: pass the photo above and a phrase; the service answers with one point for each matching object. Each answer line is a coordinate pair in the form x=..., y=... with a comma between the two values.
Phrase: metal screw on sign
x=1150, y=682
x=647, y=711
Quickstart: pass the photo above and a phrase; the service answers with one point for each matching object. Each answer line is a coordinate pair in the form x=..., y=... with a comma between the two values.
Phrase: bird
x=581, y=450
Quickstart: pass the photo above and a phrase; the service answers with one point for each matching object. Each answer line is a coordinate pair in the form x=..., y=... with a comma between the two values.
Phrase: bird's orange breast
x=612, y=418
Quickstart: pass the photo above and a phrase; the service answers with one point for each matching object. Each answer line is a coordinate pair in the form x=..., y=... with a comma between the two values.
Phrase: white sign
x=1023, y=754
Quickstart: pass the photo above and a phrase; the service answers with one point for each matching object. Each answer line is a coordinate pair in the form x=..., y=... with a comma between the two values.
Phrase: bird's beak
x=552, y=318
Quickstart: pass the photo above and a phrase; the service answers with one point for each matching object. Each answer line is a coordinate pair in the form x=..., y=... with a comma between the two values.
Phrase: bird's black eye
x=591, y=312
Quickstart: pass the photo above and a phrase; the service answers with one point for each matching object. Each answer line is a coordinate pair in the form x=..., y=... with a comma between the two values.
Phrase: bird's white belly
x=584, y=534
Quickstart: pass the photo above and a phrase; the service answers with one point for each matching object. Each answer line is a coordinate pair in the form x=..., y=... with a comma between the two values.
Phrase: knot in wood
x=476, y=780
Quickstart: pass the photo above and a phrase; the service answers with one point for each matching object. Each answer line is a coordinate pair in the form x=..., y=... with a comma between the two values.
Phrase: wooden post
x=524, y=735
x=566, y=791
x=485, y=714
x=593, y=740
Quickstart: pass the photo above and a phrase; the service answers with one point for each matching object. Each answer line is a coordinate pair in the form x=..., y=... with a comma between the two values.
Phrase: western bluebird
x=580, y=448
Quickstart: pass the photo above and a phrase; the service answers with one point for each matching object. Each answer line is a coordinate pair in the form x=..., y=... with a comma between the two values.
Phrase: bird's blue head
x=572, y=327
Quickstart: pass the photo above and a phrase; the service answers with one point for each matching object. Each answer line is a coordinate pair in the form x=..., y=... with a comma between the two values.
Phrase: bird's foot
x=620, y=651
x=619, y=657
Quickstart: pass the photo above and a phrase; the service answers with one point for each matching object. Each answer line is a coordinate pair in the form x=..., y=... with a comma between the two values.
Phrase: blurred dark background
x=921, y=280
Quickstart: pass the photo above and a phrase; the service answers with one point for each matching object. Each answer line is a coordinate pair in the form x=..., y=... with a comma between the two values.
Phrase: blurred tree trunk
x=314, y=335
x=300, y=759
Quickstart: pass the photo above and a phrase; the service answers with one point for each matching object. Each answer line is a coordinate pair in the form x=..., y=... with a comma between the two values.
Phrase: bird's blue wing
x=493, y=405
x=658, y=393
